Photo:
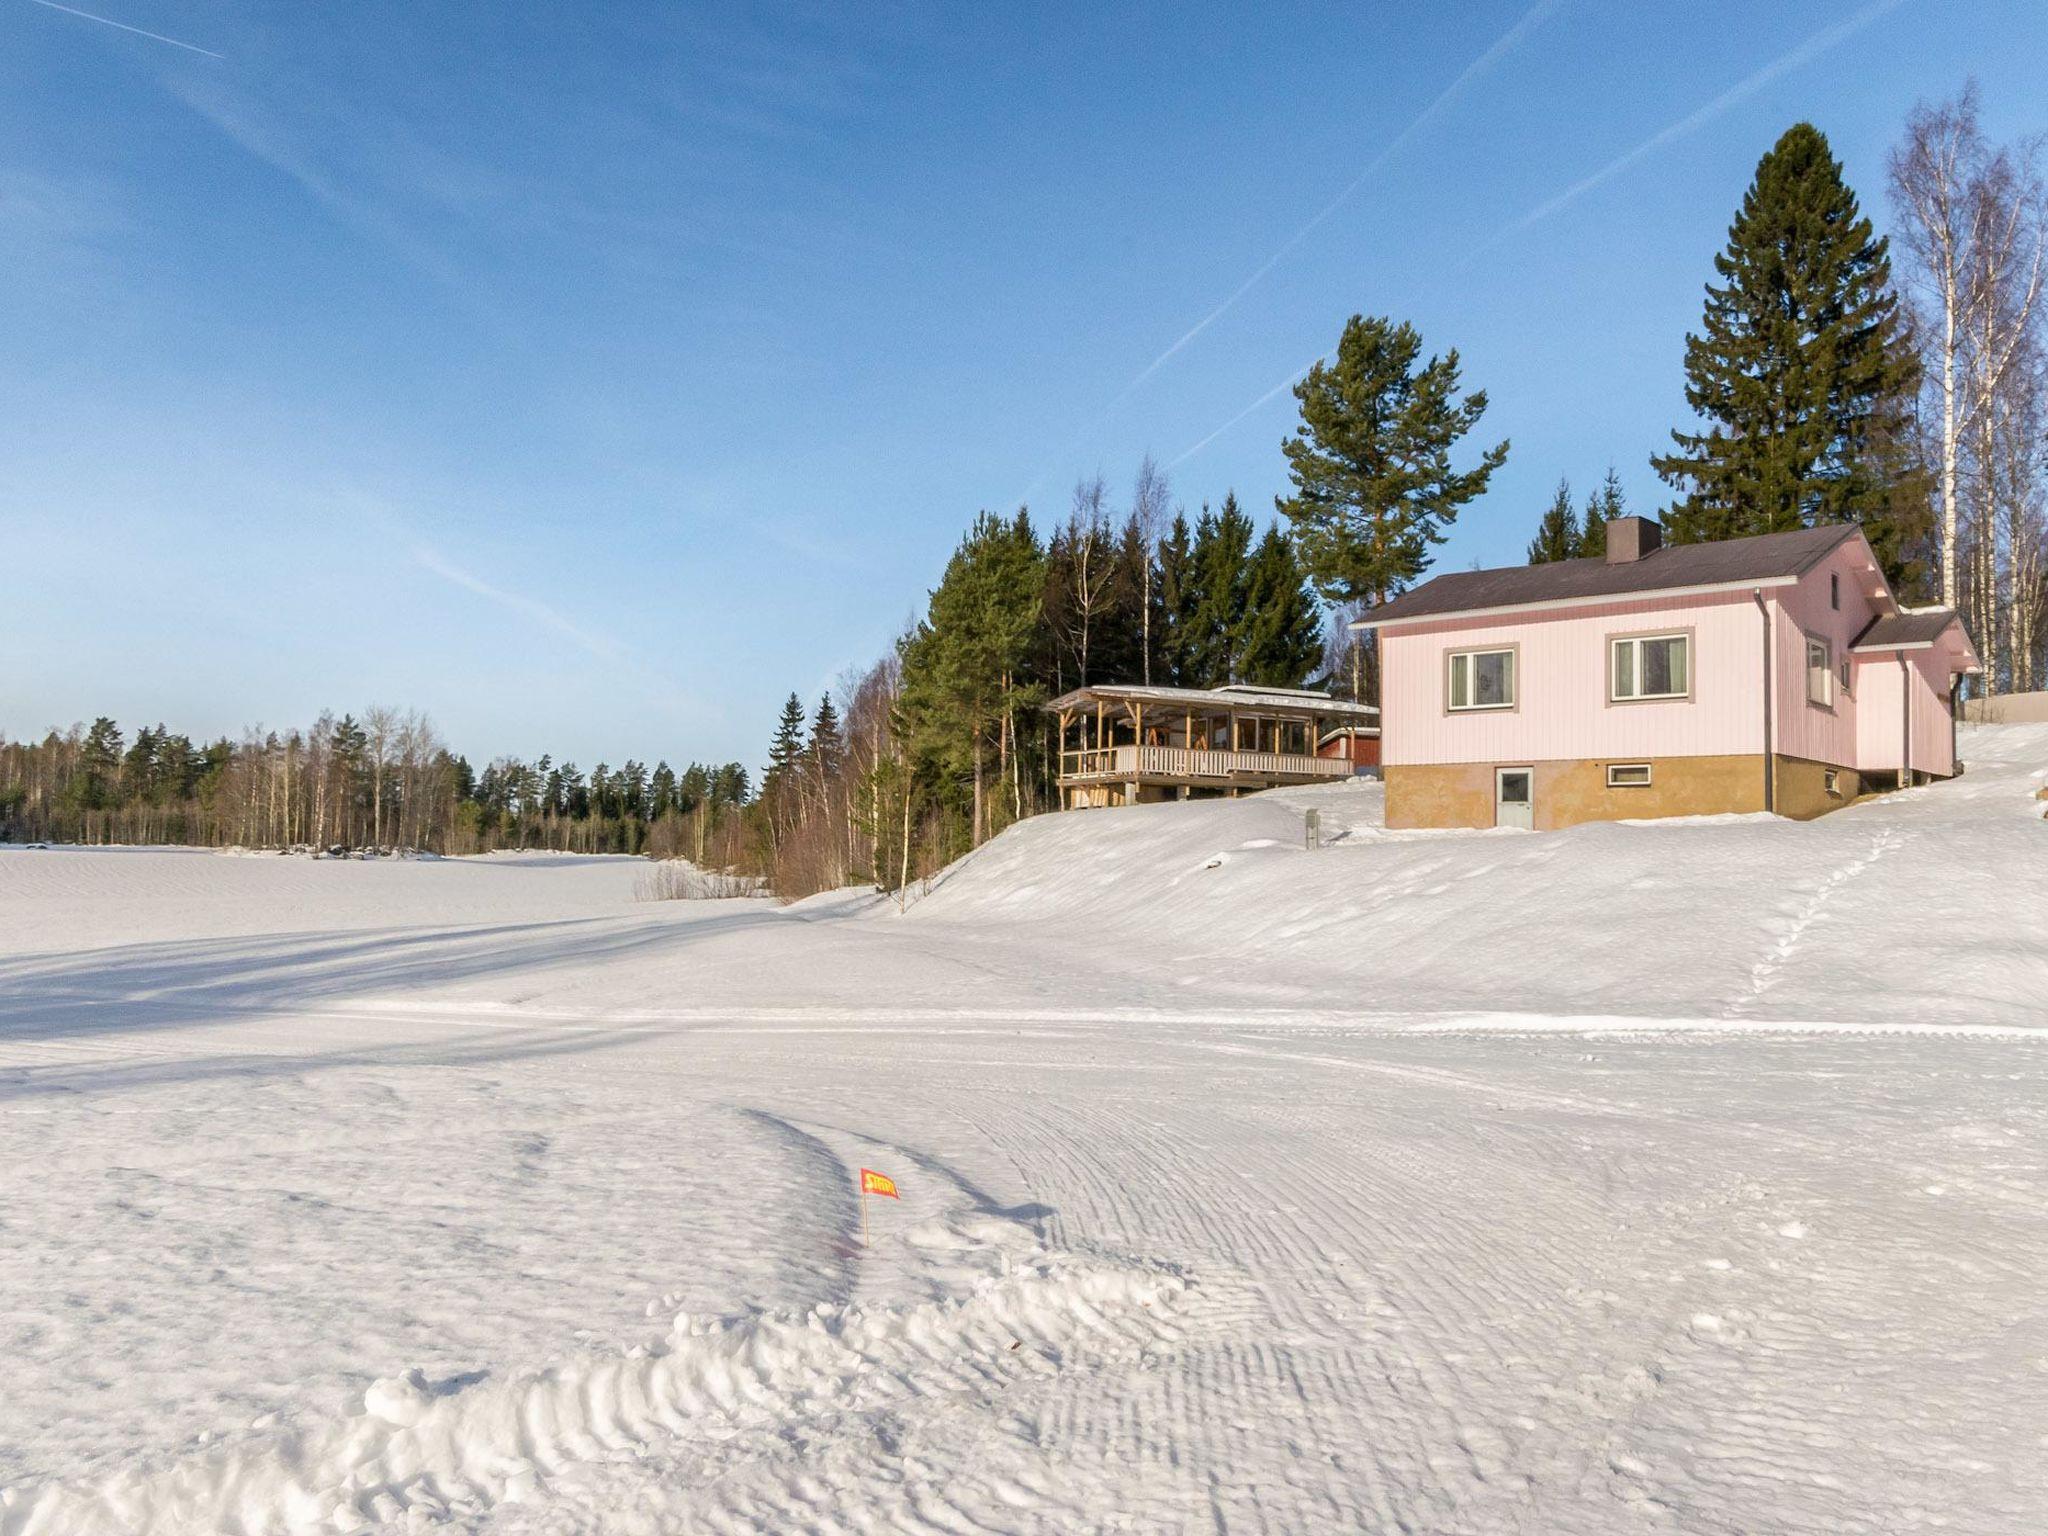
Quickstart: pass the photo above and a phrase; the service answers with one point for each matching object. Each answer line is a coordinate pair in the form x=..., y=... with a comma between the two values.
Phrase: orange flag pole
x=873, y=1183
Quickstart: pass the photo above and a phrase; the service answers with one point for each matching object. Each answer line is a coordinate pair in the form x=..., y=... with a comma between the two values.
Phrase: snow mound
x=1895, y=909
x=422, y=1449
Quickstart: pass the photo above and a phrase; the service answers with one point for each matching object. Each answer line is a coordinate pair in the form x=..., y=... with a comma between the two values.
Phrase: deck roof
x=1285, y=703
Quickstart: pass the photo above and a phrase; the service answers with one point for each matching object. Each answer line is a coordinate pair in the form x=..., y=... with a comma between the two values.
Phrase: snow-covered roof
x=1296, y=703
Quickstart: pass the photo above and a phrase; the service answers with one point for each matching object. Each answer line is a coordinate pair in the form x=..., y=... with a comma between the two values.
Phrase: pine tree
x=1371, y=461
x=1557, y=534
x=1798, y=370
x=1280, y=633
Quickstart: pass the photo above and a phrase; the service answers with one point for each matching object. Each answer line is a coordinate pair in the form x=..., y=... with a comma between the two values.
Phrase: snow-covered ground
x=1628, y=1179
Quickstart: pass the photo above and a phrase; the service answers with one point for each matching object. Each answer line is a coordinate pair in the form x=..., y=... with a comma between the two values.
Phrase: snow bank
x=439, y=1450
x=1928, y=907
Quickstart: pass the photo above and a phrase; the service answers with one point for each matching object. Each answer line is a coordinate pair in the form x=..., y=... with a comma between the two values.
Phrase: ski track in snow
x=1391, y=1187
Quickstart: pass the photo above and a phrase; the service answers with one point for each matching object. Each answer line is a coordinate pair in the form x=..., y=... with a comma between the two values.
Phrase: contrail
x=1816, y=45
x=1502, y=46
x=155, y=37
x=599, y=646
x=1286, y=383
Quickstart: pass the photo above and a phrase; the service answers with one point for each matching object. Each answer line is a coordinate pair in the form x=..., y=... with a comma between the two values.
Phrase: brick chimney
x=1631, y=538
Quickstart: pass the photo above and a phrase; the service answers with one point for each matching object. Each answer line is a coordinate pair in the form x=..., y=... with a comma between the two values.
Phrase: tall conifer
x=1798, y=370
x=1371, y=461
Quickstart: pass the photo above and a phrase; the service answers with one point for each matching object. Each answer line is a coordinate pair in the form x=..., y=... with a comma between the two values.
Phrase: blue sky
x=590, y=377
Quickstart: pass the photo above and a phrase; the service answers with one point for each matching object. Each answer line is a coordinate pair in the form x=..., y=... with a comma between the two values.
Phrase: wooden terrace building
x=1125, y=743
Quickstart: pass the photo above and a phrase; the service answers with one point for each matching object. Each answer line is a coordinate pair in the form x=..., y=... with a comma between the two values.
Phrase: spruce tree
x=1280, y=632
x=827, y=744
x=1371, y=461
x=1798, y=370
x=1602, y=507
x=785, y=754
x=1176, y=604
x=1557, y=534
x=1221, y=549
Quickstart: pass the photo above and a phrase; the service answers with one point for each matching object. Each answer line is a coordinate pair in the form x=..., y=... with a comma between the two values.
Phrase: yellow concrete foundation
x=1572, y=790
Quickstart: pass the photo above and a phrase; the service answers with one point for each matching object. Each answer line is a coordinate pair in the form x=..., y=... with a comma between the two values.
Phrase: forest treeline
x=385, y=781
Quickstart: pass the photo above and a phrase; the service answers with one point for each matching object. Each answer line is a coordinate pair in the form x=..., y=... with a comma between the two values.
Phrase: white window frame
x=1470, y=656
x=1635, y=643
x=1825, y=671
x=1614, y=783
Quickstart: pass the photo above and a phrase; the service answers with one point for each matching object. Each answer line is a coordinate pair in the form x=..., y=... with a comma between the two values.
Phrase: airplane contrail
x=1816, y=45
x=105, y=21
x=1287, y=383
x=1805, y=53
x=1502, y=46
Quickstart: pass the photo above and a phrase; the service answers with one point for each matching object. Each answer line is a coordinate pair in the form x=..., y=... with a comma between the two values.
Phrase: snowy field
x=1679, y=1178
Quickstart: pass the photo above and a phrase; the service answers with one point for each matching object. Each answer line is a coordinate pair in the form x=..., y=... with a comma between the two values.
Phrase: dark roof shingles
x=1760, y=558
x=1913, y=628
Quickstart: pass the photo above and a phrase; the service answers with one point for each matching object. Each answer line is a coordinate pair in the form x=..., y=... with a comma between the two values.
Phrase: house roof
x=1294, y=703
x=1768, y=558
x=1912, y=629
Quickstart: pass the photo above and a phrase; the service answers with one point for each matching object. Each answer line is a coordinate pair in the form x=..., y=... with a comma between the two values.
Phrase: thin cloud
x=600, y=646
x=603, y=647
x=1821, y=42
x=106, y=21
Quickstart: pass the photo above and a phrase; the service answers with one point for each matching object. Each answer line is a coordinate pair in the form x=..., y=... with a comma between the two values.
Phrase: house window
x=1842, y=673
x=1831, y=781
x=1482, y=679
x=1820, y=672
x=1628, y=775
x=1649, y=667
x=1834, y=589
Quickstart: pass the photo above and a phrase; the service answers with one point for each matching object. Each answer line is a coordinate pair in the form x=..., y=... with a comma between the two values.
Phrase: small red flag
x=873, y=1183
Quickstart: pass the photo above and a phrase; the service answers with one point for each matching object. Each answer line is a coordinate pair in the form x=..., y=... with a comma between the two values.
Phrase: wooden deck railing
x=1195, y=763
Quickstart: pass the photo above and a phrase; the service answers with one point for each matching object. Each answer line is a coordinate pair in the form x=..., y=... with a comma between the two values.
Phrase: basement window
x=1628, y=775
x=1831, y=781
x=1481, y=679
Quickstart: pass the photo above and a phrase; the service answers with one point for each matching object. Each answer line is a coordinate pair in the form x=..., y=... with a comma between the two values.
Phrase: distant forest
x=384, y=781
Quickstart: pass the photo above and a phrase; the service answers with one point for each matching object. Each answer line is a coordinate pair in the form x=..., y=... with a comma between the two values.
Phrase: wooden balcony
x=1178, y=742
x=1131, y=764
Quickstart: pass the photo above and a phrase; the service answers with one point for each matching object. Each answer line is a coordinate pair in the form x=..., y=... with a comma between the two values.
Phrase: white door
x=1514, y=798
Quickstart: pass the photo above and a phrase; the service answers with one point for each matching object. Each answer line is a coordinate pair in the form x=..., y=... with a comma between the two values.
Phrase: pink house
x=1776, y=673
